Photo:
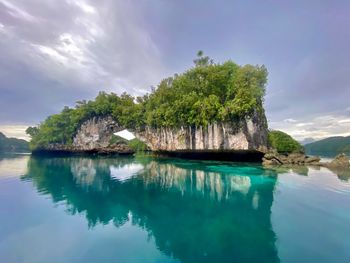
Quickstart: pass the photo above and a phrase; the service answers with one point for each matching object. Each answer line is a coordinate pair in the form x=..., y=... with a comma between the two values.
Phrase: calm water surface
x=167, y=210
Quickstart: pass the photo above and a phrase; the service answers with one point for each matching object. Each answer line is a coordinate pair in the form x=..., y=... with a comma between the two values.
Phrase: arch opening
x=125, y=134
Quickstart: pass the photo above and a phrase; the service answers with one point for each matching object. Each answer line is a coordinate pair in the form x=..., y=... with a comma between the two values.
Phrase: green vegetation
x=284, y=143
x=60, y=128
x=12, y=144
x=135, y=144
x=331, y=145
x=117, y=140
x=208, y=92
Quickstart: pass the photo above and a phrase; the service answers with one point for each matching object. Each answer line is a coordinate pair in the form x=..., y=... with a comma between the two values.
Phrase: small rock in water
x=313, y=159
x=341, y=160
x=293, y=158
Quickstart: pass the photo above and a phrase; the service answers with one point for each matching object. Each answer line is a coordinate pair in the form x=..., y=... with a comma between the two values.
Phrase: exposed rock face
x=340, y=165
x=96, y=133
x=93, y=136
x=246, y=134
x=340, y=161
x=293, y=158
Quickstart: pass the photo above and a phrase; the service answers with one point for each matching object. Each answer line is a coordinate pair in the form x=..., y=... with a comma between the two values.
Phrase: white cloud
x=290, y=120
x=84, y=6
x=17, y=12
x=344, y=121
x=98, y=46
x=16, y=131
x=52, y=54
x=318, y=127
x=303, y=124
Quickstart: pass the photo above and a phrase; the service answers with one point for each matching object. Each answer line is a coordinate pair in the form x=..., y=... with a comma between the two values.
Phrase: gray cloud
x=56, y=52
x=317, y=127
x=53, y=53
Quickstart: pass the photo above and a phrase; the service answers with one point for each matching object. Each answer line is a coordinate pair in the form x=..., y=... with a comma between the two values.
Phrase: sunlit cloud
x=289, y=120
x=84, y=6
x=317, y=128
x=15, y=131
x=17, y=12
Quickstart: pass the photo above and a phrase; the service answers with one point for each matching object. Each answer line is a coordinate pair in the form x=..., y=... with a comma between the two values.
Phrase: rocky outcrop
x=340, y=164
x=93, y=136
x=340, y=161
x=249, y=134
x=95, y=133
x=274, y=158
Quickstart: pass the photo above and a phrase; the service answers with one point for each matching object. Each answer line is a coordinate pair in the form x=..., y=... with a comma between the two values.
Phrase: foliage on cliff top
x=208, y=92
x=284, y=143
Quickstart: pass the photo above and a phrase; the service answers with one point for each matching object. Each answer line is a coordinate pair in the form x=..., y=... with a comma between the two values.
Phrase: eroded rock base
x=64, y=150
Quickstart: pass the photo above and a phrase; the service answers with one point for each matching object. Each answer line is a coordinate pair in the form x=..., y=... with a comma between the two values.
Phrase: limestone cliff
x=96, y=133
x=93, y=136
x=244, y=135
x=248, y=134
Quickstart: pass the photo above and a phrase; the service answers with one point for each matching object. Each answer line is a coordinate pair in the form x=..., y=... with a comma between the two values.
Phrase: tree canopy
x=206, y=93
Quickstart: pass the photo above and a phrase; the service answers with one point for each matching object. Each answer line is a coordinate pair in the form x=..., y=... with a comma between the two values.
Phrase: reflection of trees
x=84, y=189
x=196, y=214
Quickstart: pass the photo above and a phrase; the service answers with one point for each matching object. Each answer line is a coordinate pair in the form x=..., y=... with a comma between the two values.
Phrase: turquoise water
x=168, y=210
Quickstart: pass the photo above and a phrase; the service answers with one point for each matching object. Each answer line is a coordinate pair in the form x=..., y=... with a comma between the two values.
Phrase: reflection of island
x=195, y=212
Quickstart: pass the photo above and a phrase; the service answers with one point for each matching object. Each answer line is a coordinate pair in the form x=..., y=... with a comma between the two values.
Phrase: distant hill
x=307, y=141
x=332, y=144
x=12, y=144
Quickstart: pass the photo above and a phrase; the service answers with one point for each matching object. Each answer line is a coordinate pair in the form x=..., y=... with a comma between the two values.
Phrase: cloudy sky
x=53, y=53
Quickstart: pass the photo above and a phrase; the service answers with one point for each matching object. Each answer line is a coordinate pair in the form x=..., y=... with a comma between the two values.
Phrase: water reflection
x=342, y=173
x=13, y=164
x=196, y=212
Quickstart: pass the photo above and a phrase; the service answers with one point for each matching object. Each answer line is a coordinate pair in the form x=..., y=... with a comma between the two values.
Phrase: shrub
x=284, y=143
